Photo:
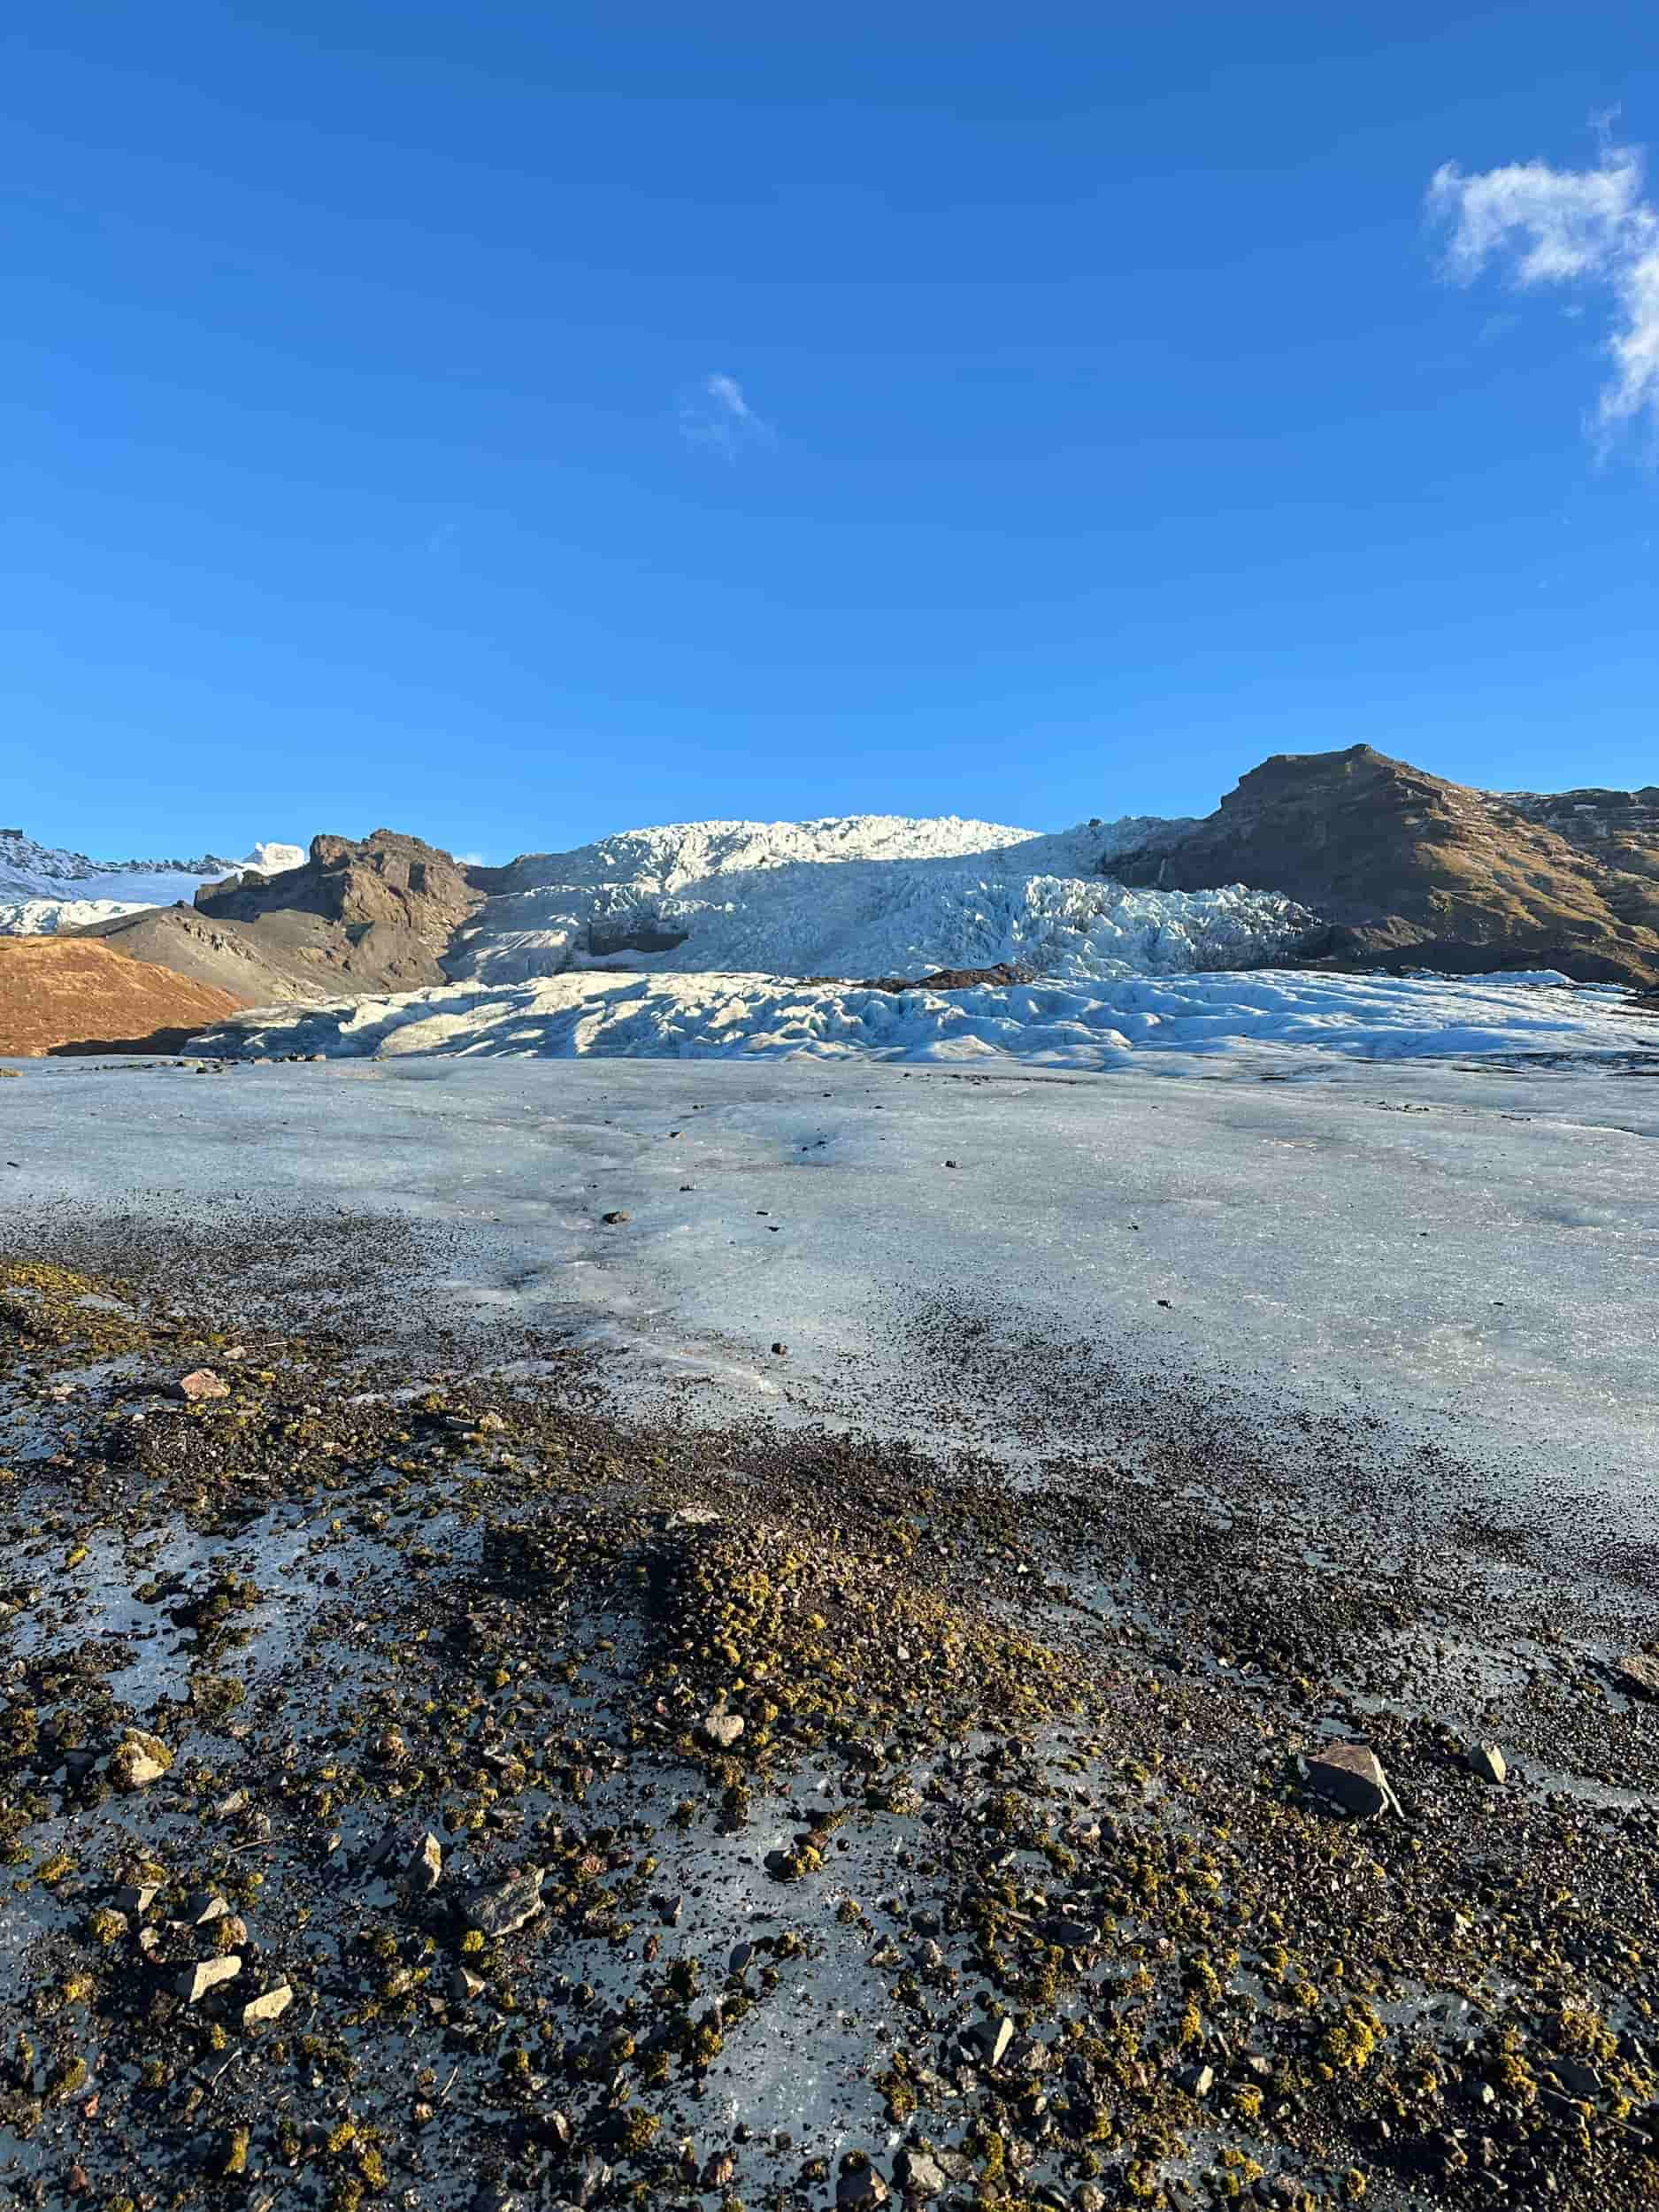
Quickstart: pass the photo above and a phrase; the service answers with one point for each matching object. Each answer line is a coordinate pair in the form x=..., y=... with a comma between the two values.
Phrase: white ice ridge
x=1091, y=1023
x=859, y=897
x=44, y=889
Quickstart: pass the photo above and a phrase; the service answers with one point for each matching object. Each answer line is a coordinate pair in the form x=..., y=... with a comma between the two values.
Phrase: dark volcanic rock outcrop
x=361, y=916
x=1409, y=870
x=398, y=900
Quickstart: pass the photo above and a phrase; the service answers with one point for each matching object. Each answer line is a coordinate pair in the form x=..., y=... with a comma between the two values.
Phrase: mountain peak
x=1412, y=869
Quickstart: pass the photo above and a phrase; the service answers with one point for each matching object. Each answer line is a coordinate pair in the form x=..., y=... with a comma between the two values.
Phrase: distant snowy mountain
x=43, y=888
x=859, y=897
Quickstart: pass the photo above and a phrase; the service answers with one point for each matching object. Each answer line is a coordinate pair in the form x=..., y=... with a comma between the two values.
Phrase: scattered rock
x=859, y=2187
x=1488, y=1762
x=203, y=1906
x=194, y=1983
x=616, y=1217
x=722, y=1728
x=270, y=2005
x=1197, y=2081
x=138, y=1761
x=919, y=2174
x=1638, y=1672
x=423, y=1870
x=990, y=2038
x=135, y=1897
x=201, y=1383
x=780, y=1350
x=1351, y=1775
x=503, y=1909
x=464, y=1985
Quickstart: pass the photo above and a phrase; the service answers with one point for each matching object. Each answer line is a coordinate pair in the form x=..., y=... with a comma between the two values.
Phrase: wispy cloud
x=715, y=414
x=1592, y=227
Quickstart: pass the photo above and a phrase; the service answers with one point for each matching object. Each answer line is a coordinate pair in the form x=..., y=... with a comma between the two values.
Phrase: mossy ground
x=1007, y=1756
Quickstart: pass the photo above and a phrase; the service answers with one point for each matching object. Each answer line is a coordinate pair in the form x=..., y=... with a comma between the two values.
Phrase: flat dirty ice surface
x=1135, y=1435
x=1457, y=1244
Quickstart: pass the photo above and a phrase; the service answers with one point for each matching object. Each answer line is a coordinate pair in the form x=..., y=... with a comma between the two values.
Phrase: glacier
x=861, y=896
x=46, y=889
x=1096, y=1023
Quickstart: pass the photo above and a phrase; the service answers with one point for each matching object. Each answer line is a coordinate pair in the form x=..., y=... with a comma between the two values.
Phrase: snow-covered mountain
x=860, y=896
x=44, y=888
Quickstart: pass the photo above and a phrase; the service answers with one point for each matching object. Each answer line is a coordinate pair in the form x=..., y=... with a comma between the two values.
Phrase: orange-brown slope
x=63, y=992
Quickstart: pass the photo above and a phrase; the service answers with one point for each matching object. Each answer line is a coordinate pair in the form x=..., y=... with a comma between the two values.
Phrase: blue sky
x=513, y=423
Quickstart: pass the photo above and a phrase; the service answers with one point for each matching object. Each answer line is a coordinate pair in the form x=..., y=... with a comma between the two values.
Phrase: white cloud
x=1593, y=228
x=715, y=414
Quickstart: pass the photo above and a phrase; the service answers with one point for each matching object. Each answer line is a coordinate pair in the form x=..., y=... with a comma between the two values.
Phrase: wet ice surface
x=1469, y=1252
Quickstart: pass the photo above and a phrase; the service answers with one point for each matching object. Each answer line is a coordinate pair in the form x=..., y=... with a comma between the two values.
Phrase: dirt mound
x=361, y=916
x=61, y=994
x=1001, y=977
x=1408, y=869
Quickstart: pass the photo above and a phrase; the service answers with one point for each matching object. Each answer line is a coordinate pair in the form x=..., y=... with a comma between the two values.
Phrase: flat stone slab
x=201, y=1383
x=423, y=1868
x=270, y=2005
x=1488, y=1762
x=195, y=1981
x=500, y=1910
x=1351, y=1776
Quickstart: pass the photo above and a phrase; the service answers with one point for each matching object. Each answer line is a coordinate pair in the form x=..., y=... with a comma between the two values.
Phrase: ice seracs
x=856, y=897
x=1087, y=1022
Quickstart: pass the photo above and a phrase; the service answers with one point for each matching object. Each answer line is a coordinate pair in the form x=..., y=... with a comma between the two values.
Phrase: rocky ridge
x=360, y=916
x=1408, y=869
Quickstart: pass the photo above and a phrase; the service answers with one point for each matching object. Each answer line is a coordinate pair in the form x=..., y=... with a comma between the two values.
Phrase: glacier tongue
x=860, y=897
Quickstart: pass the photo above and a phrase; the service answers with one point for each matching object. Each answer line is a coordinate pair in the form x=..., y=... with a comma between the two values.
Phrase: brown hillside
x=58, y=992
x=360, y=917
x=1408, y=869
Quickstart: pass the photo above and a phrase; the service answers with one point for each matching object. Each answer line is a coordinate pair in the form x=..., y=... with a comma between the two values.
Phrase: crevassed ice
x=1092, y=1022
x=858, y=897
